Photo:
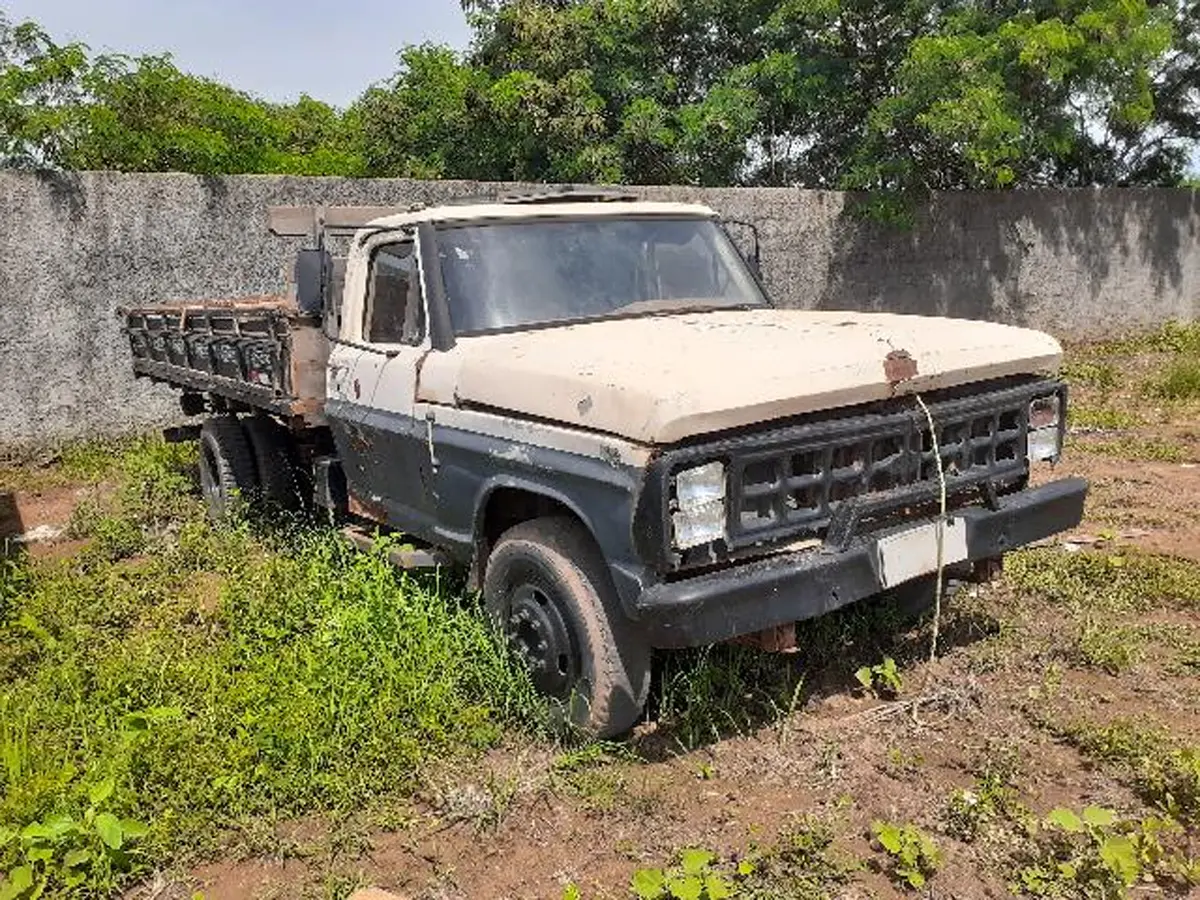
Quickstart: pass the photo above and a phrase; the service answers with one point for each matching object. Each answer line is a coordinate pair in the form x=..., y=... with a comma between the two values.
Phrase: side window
x=395, y=313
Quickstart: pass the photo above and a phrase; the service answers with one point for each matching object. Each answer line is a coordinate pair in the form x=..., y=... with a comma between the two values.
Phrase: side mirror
x=745, y=237
x=312, y=277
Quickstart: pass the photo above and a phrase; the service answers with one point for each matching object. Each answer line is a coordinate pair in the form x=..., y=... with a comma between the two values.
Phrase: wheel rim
x=539, y=634
x=210, y=485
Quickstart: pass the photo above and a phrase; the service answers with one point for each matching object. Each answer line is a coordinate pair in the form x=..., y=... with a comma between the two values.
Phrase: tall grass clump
x=182, y=678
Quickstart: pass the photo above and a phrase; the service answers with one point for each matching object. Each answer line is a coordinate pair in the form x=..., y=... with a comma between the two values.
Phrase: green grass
x=1114, y=649
x=94, y=460
x=1099, y=374
x=1174, y=338
x=1139, y=449
x=1103, y=418
x=1124, y=582
x=1180, y=380
x=1164, y=771
x=212, y=675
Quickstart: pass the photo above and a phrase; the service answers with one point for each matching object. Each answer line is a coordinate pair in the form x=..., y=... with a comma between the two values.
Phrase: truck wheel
x=279, y=481
x=227, y=469
x=549, y=589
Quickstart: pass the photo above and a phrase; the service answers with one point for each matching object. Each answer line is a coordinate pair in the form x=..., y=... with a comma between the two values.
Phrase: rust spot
x=899, y=366
x=365, y=509
x=780, y=639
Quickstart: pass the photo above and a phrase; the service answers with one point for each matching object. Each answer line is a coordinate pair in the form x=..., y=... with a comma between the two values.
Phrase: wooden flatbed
x=258, y=352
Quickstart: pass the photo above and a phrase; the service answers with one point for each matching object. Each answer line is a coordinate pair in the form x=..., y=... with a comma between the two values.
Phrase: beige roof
x=657, y=380
x=581, y=208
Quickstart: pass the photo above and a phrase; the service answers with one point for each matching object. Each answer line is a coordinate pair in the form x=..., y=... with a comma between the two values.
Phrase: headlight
x=1045, y=429
x=700, y=503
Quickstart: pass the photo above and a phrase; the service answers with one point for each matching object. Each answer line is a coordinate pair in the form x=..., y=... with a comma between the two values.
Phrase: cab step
x=406, y=558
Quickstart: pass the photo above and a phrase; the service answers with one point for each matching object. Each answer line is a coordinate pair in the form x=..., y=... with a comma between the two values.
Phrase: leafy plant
x=970, y=811
x=61, y=852
x=804, y=863
x=915, y=857
x=1096, y=854
x=1165, y=773
x=696, y=877
x=217, y=674
x=883, y=678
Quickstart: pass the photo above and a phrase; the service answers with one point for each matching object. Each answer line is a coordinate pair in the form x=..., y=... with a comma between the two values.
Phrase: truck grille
x=850, y=473
x=795, y=489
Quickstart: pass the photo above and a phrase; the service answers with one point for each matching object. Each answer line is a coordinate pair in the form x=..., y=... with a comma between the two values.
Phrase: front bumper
x=788, y=588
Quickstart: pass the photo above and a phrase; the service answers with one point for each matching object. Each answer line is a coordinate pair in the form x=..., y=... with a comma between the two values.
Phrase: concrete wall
x=74, y=248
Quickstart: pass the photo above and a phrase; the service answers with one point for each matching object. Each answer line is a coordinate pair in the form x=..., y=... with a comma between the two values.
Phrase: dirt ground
x=528, y=819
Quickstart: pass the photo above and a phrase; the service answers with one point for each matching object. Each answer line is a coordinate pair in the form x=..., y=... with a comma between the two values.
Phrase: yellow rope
x=941, y=531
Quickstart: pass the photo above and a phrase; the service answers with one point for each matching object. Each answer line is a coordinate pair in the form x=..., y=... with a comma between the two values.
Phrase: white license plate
x=913, y=553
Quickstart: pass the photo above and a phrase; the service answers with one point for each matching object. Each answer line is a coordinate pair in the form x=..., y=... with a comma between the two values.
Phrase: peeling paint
x=518, y=453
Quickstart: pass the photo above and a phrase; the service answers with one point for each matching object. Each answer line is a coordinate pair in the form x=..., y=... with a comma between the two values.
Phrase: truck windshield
x=509, y=275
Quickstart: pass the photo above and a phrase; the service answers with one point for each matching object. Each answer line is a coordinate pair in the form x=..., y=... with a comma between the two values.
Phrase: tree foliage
x=893, y=95
x=60, y=107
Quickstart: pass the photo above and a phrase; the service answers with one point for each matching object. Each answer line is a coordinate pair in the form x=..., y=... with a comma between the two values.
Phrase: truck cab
x=593, y=407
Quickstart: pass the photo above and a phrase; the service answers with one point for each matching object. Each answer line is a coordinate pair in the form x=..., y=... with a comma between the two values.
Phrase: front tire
x=228, y=475
x=549, y=589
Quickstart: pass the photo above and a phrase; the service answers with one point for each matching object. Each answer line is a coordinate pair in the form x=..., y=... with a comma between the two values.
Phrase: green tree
x=39, y=94
x=881, y=94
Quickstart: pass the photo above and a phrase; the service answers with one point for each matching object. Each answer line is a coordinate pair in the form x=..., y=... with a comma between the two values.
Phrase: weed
x=1100, y=374
x=1140, y=449
x=218, y=675
x=1097, y=854
x=1171, y=338
x=594, y=753
x=60, y=852
x=805, y=863
x=1113, y=649
x=1166, y=774
x=881, y=679
x=901, y=765
x=695, y=877
x=1126, y=582
x=915, y=857
x=598, y=789
x=1101, y=418
x=1179, y=381
x=971, y=811
x=709, y=693
x=94, y=461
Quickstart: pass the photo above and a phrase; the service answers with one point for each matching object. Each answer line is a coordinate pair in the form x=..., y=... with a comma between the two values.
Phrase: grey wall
x=74, y=248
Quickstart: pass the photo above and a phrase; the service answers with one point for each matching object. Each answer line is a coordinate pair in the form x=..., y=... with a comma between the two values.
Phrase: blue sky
x=275, y=48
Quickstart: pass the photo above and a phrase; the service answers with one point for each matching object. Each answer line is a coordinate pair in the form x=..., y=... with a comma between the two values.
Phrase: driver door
x=372, y=384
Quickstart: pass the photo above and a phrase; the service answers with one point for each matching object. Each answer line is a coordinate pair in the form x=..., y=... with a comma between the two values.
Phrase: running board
x=406, y=558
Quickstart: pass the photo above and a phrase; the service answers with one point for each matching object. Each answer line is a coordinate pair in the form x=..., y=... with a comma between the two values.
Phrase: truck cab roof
x=553, y=206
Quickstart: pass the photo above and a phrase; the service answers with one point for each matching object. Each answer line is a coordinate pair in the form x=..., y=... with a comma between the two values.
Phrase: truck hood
x=661, y=379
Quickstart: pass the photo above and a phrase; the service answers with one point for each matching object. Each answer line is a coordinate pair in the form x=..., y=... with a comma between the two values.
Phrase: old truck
x=590, y=404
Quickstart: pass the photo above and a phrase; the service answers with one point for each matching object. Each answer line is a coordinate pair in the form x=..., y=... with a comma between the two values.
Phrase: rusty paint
x=367, y=509
x=780, y=639
x=985, y=570
x=898, y=366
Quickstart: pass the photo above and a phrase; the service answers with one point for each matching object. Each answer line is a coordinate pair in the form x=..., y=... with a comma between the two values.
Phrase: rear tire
x=228, y=476
x=549, y=589
x=279, y=479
